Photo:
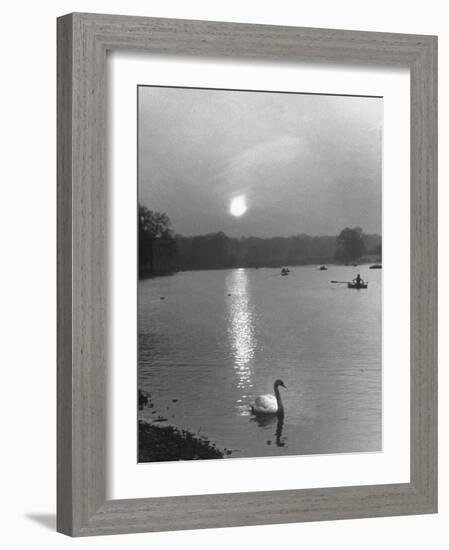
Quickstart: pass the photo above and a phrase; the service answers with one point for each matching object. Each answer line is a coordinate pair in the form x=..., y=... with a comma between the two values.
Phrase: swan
x=269, y=404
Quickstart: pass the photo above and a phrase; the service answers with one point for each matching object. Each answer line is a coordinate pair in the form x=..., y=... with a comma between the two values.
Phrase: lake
x=219, y=338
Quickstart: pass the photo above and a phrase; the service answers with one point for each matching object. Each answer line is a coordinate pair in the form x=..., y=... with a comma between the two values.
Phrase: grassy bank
x=158, y=444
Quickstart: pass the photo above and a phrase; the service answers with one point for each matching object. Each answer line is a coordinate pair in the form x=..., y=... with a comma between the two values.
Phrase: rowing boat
x=358, y=285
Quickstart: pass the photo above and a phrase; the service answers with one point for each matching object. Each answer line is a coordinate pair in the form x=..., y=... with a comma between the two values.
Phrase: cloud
x=247, y=170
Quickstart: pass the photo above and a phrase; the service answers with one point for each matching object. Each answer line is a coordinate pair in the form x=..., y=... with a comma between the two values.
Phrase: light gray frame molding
x=83, y=40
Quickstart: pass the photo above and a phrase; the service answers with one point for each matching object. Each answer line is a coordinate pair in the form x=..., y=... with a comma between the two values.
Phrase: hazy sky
x=299, y=163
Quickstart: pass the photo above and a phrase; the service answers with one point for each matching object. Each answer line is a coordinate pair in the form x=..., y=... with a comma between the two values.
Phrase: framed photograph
x=247, y=282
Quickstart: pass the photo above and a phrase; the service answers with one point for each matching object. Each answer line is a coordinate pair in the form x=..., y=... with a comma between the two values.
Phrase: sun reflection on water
x=241, y=334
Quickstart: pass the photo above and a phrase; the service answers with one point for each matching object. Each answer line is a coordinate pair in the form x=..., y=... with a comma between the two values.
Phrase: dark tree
x=350, y=244
x=157, y=247
x=162, y=252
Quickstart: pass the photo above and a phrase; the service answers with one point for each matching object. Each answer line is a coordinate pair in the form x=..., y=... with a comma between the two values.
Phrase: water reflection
x=280, y=441
x=241, y=333
x=264, y=421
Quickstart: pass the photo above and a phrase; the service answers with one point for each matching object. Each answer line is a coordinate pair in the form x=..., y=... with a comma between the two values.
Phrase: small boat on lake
x=322, y=268
x=376, y=266
x=358, y=283
x=285, y=271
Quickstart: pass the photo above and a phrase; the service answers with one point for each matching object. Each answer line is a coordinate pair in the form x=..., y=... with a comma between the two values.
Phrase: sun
x=238, y=206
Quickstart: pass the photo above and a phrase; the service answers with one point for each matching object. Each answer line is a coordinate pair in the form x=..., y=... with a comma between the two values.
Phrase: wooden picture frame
x=83, y=40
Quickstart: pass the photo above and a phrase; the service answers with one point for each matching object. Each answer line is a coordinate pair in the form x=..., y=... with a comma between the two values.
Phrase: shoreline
x=159, y=444
x=163, y=443
x=318, y=262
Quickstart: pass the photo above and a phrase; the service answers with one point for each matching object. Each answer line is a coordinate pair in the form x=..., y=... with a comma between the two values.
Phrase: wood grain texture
x=83, y=40
x=64, y=277
x=423, y=290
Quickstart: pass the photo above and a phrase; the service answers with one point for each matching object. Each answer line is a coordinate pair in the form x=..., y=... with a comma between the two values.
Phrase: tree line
x=161, y=251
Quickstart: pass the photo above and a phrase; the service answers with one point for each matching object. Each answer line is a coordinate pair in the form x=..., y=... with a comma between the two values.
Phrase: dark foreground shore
x=158, y=444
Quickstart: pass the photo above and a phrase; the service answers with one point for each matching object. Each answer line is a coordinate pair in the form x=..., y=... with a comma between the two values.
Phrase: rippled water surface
x=220, y=338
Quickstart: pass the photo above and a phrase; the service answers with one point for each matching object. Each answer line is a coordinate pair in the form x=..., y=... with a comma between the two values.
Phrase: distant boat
x=285, y=271
x=358, y=285
x=322, y=268
x=376, y=266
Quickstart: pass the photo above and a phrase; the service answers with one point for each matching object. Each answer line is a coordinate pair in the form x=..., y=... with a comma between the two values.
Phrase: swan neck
x=279, y=401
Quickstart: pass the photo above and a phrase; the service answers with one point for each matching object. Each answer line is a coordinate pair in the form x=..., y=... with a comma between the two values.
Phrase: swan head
x=279, y=382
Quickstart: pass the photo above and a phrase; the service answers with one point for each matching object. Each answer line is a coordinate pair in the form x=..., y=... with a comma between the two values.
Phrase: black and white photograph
x=259, y=274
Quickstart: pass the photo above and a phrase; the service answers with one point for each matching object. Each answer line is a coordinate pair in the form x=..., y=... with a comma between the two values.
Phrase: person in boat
x=358, y=280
